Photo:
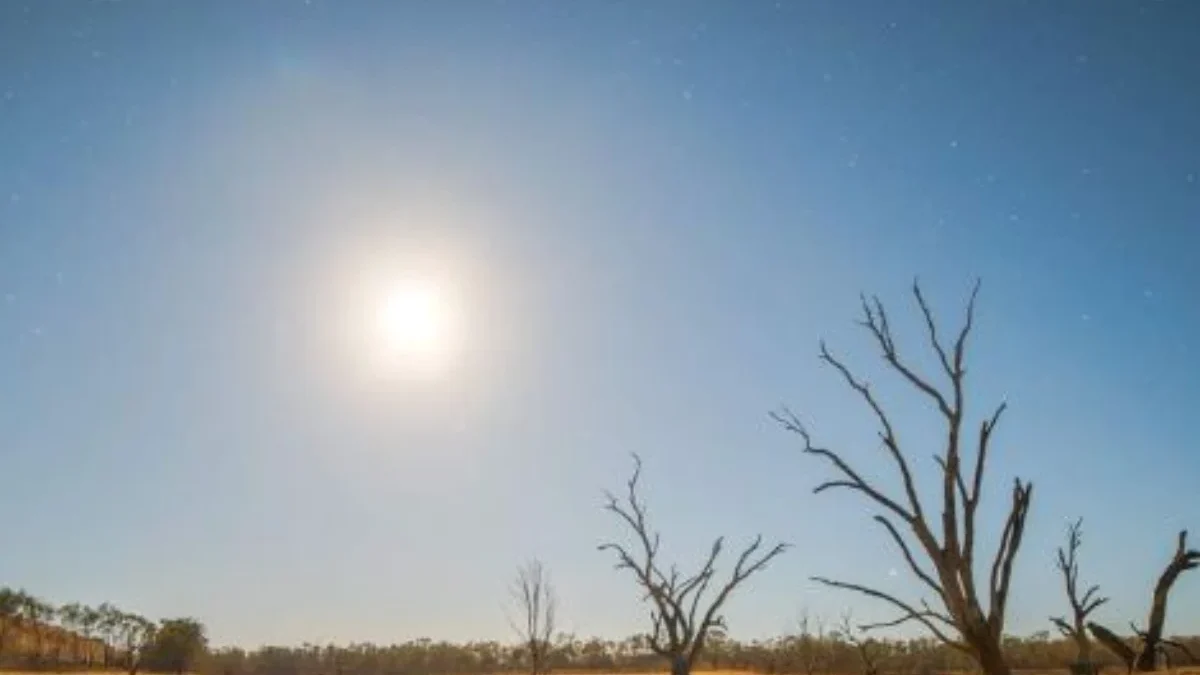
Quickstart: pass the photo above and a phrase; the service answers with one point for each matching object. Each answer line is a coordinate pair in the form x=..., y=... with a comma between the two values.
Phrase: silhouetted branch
x=952, y=555
x=910, y=614
x=679, y=628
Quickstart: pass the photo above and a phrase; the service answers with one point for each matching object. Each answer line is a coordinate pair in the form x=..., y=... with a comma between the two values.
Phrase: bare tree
x=535, y=600
x=680, y=623
x=959, y=619
x=811, y=647
x=1152, y=639
x=1184, y=559
x=868, y=649
x=1164, y=647
x=1076, y=627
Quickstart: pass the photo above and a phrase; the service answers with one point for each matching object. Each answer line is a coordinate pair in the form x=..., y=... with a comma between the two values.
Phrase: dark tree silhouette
x=535, y=601
x=1153, y=640
x=1164, y=647
x=960, y=619
x=679, y=621
x=1075, y=627
x=1184, y=559
x=177, y=645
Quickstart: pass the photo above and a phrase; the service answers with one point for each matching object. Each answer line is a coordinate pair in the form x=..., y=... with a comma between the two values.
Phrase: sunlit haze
x=413, y=322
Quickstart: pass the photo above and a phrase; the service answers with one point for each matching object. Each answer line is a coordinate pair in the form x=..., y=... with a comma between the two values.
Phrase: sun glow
x=415, y=325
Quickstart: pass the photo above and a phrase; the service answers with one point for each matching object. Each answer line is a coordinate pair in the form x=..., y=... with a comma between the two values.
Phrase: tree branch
x=908, y=557
x=1006, y=552
x=875, y=320
x=911, y=614
x=888, y=436
x=677, y=598
x=853, y=480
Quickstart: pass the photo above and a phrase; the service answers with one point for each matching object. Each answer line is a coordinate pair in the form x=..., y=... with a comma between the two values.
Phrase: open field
x=1192, y=670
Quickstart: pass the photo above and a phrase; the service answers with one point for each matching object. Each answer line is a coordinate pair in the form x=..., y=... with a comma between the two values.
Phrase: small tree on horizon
x=1075, y=626
x=537, y=603
x=680, y=623
x=870, y=654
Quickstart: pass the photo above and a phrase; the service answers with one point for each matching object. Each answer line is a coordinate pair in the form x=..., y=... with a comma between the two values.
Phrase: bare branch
x=1006, y=552
x=875, y=320
x=1067, y=560
x=1114, y=644
x=888, y=435
x=931, y=328
x=911, y=614
x=678, y=634
x=970, y=504
x=962, y=620
x=1183, y=648
x=535, y=599
x=1183, y=560
x=853, y=480
x=961, y=343
x=908, y=557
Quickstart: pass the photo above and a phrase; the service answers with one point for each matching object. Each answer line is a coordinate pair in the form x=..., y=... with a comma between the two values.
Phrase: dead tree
x=1184, y=559
x=536, y=602
x=812, y=649
x=679, y=621
x=1164, y=647
x=959, y=618
x=1113, y=643
x=1076, y=627
x=868, y=649
x=1152, y=638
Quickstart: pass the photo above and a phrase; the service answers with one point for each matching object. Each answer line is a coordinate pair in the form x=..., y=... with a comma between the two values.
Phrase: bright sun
x=414, y=323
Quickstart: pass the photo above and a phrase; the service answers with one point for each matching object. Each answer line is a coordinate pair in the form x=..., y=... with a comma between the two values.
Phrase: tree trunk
x=1147, y=660
x=680, y=665
x=991, y=660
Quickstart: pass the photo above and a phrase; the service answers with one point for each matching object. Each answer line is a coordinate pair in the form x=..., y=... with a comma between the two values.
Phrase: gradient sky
x=651, y=212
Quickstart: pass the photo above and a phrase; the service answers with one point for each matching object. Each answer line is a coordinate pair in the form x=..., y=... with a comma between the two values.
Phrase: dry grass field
x=1190, y=670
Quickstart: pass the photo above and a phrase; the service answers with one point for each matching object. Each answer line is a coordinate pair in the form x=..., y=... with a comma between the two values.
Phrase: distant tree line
x=38, y=635
x=814, y=649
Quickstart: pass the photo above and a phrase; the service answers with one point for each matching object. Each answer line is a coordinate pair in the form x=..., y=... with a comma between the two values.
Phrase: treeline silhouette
x=38, y=635
x=798, y=654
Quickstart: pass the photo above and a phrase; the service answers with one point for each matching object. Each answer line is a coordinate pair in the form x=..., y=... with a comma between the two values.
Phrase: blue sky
x=650, y=213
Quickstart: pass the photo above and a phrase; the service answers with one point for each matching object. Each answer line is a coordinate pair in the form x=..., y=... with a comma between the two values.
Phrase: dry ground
x=1190, y=670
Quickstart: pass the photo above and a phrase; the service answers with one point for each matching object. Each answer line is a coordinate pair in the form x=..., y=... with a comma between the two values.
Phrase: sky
x=646, y=216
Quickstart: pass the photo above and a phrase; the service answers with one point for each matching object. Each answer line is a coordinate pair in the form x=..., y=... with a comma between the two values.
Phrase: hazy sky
x=648, y=214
